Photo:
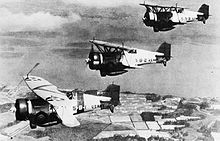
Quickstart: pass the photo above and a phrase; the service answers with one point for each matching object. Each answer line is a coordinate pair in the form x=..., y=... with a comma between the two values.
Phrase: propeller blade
x=33, y=68
x=16, y=88
x=88, y=59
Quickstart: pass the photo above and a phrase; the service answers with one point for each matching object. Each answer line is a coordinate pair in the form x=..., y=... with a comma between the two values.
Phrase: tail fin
x=205, y=10
x=165, y=48
x=113, y=91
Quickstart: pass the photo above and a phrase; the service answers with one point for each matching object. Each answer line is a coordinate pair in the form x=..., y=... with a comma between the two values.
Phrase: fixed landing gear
x=165, y=63
x=111, y=108
x=156, y=29
x=32, y=125
x=102, y=73
x=107, y=69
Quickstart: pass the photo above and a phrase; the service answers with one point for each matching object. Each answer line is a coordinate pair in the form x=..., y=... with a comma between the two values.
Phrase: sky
x=55, y=33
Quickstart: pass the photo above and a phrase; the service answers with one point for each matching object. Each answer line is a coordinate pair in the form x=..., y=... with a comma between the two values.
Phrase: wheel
x=32, y=125
x=31, y=121
x=102, y=73
x=165, y=63
x=156, y=29
x=112, y=108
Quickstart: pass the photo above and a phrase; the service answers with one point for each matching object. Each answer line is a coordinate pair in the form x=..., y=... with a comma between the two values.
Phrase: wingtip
x=71, y=125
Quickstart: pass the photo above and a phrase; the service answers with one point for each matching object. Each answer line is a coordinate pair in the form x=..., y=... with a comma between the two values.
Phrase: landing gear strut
x=165, y=63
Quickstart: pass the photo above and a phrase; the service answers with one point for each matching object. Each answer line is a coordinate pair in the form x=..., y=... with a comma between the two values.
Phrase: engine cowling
x=96, y=60
x=149, y=18
x=38, y=111
x=21, y=109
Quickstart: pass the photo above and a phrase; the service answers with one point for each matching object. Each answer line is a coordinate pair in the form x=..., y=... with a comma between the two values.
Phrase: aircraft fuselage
x=140, y=57
x=132, y=59
x=52, y=106
x=113, y=59
x=165, y=18
x=166, y=21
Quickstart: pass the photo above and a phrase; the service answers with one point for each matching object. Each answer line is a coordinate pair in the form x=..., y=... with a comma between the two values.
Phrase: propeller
x=17, y=86
x=88, y=59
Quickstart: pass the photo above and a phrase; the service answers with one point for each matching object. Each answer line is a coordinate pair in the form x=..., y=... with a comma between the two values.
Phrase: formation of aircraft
x=113, y=59
x=164, y=18
x=51, y=105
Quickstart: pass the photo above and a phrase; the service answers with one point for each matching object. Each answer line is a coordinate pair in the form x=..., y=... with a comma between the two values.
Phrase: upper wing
x=110, y=45
x=64, y=107
x=158, y=6
x=45, y=90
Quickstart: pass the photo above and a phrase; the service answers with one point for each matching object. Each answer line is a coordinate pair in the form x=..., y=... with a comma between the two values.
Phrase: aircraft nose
x=87, y=60
x=91, y=41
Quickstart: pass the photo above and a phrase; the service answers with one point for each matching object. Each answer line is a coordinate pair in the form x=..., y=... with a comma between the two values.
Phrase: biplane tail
x=205, y=10
x=113, y=91
x=165, y=48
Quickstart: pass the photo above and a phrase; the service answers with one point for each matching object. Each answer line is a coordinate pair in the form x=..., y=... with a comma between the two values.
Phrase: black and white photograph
x=109, y=70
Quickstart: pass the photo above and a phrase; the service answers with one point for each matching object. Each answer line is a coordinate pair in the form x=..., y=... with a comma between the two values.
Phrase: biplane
x=164, y=18
x=50, y=105
x=114, y=59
